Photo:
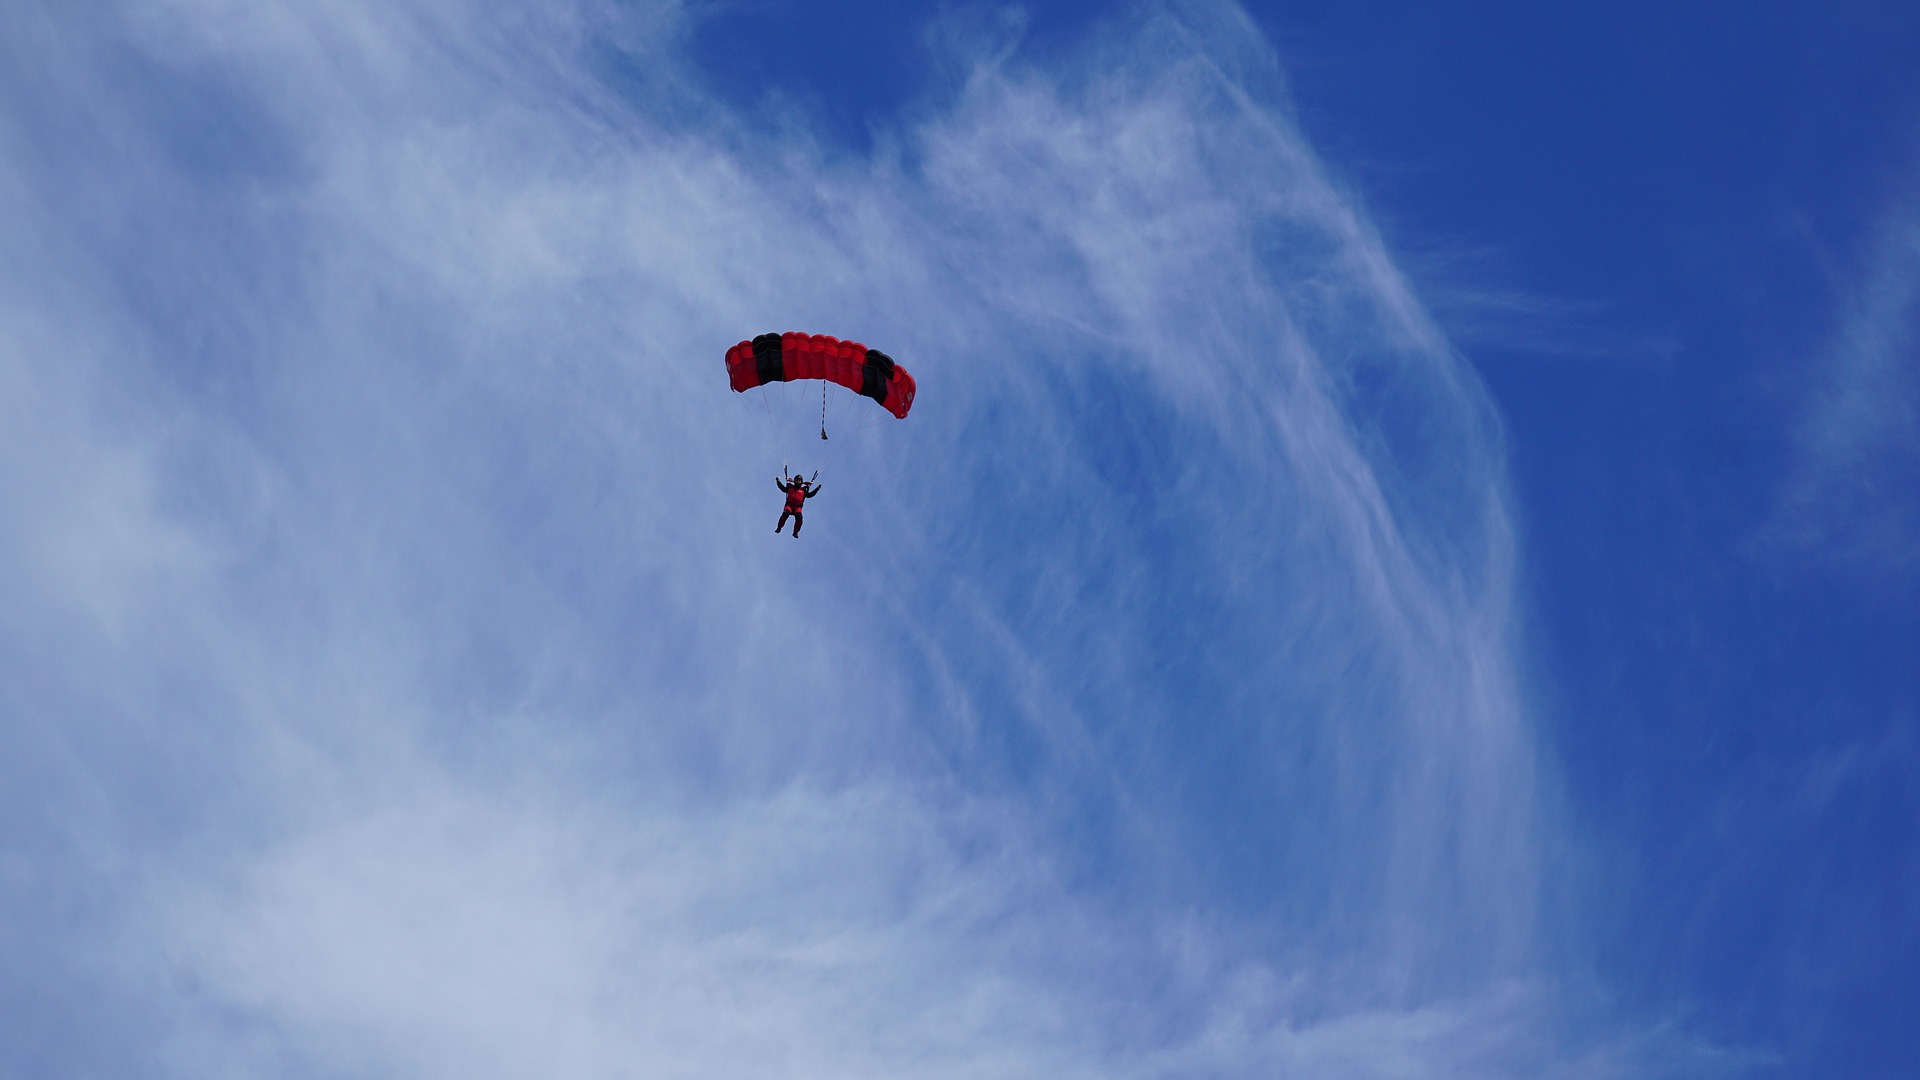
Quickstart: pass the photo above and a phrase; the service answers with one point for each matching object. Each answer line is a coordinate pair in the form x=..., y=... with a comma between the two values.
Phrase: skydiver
x=798, y=492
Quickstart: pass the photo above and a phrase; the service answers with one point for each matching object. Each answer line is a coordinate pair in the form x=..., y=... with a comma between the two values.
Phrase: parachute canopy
x=772, y=358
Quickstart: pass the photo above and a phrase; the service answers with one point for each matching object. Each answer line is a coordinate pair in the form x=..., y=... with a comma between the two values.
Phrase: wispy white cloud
x=400, y=589
x=1849, y=496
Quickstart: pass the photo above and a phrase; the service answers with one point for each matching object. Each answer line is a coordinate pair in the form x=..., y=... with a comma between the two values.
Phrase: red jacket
x=797, y=493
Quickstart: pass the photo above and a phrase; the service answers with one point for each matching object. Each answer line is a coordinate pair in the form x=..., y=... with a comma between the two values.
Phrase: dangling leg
x=783, y=523
x=797, y=519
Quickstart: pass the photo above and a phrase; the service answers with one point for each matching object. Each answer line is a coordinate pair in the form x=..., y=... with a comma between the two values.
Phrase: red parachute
x=772, y=358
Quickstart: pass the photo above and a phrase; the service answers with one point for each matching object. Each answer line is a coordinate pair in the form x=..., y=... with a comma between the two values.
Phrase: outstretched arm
x=781, y=484
x=814, y=489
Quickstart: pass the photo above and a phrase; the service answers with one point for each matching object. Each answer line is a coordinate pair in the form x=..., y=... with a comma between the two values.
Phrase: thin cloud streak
x=1849, y=496
x=429, y=700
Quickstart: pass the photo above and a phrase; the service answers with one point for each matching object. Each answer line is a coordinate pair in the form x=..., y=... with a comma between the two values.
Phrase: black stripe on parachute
x=874, y=374
x=766, y=358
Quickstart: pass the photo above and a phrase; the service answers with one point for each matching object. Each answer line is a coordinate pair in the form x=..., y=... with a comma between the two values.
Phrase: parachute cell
x=772, y=358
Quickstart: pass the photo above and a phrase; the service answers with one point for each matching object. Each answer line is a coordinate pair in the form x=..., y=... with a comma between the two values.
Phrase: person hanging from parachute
x=798, y=492
x=772, y=358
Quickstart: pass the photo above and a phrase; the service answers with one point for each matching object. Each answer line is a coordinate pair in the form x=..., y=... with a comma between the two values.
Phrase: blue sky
x=1402, y=564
